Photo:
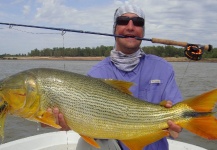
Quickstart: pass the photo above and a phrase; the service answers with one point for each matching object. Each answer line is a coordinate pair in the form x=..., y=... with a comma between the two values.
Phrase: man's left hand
x=173, y=129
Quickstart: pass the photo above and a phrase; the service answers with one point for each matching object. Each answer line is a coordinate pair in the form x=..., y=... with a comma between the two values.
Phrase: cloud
x=26, y=9
x=181, y=20
x=54, y=12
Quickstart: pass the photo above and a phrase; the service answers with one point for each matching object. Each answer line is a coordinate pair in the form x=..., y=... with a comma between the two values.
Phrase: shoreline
x=55, y=58
x=169, y=59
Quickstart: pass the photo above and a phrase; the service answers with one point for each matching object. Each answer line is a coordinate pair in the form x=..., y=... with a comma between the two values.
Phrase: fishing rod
x=192, y=51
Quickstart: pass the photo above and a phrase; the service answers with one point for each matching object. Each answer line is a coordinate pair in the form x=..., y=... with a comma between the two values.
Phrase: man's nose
x=130, y=24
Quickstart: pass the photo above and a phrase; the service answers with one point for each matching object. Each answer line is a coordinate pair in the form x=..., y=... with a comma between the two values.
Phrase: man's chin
x=132, y=45
x=130, y=50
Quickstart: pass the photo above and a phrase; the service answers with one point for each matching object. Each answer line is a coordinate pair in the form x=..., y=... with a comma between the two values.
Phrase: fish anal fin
x=140, y=143
x=46, y=118
x=205, y=127
x=123, y=86
x=90, y=141
x=204, y=102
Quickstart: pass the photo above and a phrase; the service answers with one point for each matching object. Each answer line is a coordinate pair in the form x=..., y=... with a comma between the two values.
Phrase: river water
x=193, y=78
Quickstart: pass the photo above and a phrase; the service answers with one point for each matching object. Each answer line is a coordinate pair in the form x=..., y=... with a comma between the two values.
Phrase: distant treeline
x=162, y=51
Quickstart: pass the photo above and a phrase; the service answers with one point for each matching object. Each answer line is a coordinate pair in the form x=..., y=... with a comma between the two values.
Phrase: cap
x=127, y=8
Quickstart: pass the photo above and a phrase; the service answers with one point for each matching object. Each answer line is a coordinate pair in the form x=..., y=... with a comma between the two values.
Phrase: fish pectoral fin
x=90, y=141
x=141, y=142
x=47, y=118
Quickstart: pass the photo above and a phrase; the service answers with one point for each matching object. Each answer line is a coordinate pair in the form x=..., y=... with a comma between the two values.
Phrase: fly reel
x=195, y=51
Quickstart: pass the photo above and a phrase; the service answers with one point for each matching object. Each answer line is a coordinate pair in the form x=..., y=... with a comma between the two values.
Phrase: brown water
x=193, y=78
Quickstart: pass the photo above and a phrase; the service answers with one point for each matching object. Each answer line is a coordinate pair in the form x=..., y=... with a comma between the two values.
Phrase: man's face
x=128, y=45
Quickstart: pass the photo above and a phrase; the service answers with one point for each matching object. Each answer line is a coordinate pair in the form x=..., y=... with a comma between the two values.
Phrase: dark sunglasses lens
x=137, y=21
x=122, y=20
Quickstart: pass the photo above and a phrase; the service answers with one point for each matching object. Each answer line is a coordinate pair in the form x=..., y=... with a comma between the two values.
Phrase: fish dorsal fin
x=140, y=143
x=90, y=141
x=123, y=86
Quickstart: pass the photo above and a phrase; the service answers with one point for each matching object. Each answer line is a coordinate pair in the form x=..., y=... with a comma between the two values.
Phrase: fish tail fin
x=204, y=123
x=204, y=102
x=205, y=127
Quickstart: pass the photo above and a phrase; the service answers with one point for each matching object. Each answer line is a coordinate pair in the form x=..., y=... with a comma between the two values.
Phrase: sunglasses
x=124, y=20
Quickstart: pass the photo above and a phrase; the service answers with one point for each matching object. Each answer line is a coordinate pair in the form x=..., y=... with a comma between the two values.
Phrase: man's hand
x=173, y=129
x=59, y=119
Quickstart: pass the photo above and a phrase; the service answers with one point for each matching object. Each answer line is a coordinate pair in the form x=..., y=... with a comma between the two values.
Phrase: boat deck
x=63, y=140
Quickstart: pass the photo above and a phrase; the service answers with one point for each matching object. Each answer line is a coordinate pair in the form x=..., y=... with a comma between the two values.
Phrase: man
x=153, y=77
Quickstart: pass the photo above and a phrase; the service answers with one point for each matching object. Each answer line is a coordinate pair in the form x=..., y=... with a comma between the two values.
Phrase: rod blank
x=153, y=40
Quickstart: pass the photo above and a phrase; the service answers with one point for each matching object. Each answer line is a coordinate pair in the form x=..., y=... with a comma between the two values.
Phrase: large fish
x=101, y=109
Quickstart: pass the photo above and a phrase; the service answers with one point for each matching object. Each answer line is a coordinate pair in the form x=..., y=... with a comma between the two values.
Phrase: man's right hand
x=59, y=119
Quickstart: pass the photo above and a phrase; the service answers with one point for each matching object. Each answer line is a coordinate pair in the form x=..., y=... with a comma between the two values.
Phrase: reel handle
x=178, y=43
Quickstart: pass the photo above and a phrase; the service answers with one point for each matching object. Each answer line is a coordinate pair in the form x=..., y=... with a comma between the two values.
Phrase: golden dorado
x=101, y=109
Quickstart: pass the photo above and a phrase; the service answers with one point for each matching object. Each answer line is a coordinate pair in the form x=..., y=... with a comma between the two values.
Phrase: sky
x=192, y=21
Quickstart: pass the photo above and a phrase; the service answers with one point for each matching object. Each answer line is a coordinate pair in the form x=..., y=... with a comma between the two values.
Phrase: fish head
x=15, y=90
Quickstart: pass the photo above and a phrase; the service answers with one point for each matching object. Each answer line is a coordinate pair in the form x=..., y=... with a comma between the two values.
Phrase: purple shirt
x=153, y=79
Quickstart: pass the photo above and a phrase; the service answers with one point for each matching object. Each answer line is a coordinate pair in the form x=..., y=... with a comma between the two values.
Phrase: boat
x=67, y=140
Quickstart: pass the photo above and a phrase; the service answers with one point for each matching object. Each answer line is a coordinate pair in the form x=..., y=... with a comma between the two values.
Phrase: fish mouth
x=3, y=105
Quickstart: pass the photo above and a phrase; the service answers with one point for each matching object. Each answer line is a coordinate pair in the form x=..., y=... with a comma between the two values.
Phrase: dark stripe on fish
x=193, y=114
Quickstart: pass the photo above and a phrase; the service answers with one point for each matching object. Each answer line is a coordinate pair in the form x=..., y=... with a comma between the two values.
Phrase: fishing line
x=182, y=78
x=63, y=33
x=31, y=32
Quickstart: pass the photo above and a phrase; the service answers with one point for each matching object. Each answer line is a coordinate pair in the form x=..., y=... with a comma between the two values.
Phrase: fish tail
x=203, y=121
